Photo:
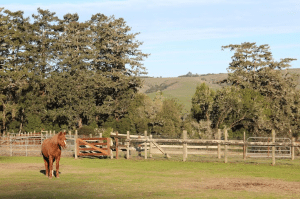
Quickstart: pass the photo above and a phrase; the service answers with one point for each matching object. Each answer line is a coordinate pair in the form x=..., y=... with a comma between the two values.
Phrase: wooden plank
x=226, y=146
x=92, y=146
x=273, y=147
x=184, y=146
x=293, y=149
x=92, y=154
x=96, y=143
x=215, y=142
x=90, y=149
x=96, y=139
x=244, y=147
x=127, y=146
x=161, y=150
x=219, y=146
x=119, y=136
x=117, y=145
x=145, y=145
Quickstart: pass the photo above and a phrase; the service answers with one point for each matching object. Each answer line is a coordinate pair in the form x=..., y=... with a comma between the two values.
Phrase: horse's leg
x=57, y=167
x=50, y=167
x=46, y=166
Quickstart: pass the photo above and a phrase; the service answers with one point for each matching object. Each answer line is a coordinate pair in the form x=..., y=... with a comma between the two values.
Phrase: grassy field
x=205, y=177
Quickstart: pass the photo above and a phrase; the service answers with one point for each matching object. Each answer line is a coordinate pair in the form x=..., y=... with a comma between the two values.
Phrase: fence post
x=146, y=147
x=244, y=147
x=150, y=146
x=26, y=144
x=226, y=146
x=293, y=148
x=76, y=144
x=70, y=134
x=127, y=151
x=273, y=147
x=41, y=138
x=10, y=144
x=117, y=145
x=184, y=146
x=111, y=144
x=219, y=145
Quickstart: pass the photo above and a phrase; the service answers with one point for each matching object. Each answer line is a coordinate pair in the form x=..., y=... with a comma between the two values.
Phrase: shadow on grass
x=54, y=172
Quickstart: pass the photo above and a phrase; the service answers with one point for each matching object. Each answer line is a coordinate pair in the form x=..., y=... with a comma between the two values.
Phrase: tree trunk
x=22, y=120
x=3, y=120
x=80, y=122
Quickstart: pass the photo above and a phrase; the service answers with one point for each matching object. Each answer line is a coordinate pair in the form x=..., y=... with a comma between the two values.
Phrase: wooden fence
x=13, y=143
x=146, y=141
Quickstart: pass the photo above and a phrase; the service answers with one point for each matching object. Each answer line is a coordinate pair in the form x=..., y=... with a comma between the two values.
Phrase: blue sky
x=187, y=35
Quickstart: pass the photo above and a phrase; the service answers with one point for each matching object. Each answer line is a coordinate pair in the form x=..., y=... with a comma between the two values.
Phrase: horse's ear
x=65, y=133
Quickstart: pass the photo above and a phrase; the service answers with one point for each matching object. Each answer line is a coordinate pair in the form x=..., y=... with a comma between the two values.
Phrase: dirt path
x=259, y=185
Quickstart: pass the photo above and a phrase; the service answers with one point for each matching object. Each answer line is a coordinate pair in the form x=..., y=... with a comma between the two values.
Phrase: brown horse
x=51, y=151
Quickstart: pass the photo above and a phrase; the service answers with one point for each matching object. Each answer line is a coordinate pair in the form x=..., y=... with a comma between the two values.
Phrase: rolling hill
x=183, y=88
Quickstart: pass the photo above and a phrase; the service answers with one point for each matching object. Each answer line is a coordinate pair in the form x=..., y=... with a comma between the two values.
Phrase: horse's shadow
x=54, y=172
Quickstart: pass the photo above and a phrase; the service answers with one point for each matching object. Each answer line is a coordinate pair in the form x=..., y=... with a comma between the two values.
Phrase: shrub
x=106, y=132
x=86, y=130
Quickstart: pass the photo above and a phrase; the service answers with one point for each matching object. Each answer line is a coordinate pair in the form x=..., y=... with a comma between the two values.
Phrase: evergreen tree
x=15, y=69
x=202, y=102
x=66, y=72
x=253, y=67
x=117, y=60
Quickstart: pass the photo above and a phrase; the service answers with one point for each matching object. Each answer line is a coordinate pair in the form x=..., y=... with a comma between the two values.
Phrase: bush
x=86, y=130
x=34, y=123
x=14, y=127
x=106, y=133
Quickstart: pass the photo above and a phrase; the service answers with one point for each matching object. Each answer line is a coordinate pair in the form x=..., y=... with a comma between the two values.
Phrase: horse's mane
x=54, y=139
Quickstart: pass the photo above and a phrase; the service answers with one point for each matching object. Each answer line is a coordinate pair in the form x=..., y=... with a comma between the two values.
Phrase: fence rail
x=147, y=141
x=30, y=143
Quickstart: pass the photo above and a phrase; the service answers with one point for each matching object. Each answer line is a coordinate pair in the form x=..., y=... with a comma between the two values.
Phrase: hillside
x=183, y=88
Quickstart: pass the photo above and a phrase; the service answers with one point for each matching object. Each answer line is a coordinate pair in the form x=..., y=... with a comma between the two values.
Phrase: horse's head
x=61, y=139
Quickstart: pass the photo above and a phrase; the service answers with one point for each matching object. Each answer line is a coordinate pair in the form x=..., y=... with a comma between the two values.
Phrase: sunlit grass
x=106, y=178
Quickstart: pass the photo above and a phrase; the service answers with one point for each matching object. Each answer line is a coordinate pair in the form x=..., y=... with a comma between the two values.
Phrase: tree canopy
x=66, y=72
x=261, y=95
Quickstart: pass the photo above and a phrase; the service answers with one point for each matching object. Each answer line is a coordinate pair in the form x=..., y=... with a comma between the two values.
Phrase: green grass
x=21, y=177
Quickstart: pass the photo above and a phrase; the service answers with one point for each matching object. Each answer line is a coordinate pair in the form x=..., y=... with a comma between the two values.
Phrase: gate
x=266, y=151
x=93, y=146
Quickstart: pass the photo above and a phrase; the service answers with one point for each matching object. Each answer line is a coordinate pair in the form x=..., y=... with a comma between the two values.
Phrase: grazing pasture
x=202, y=177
